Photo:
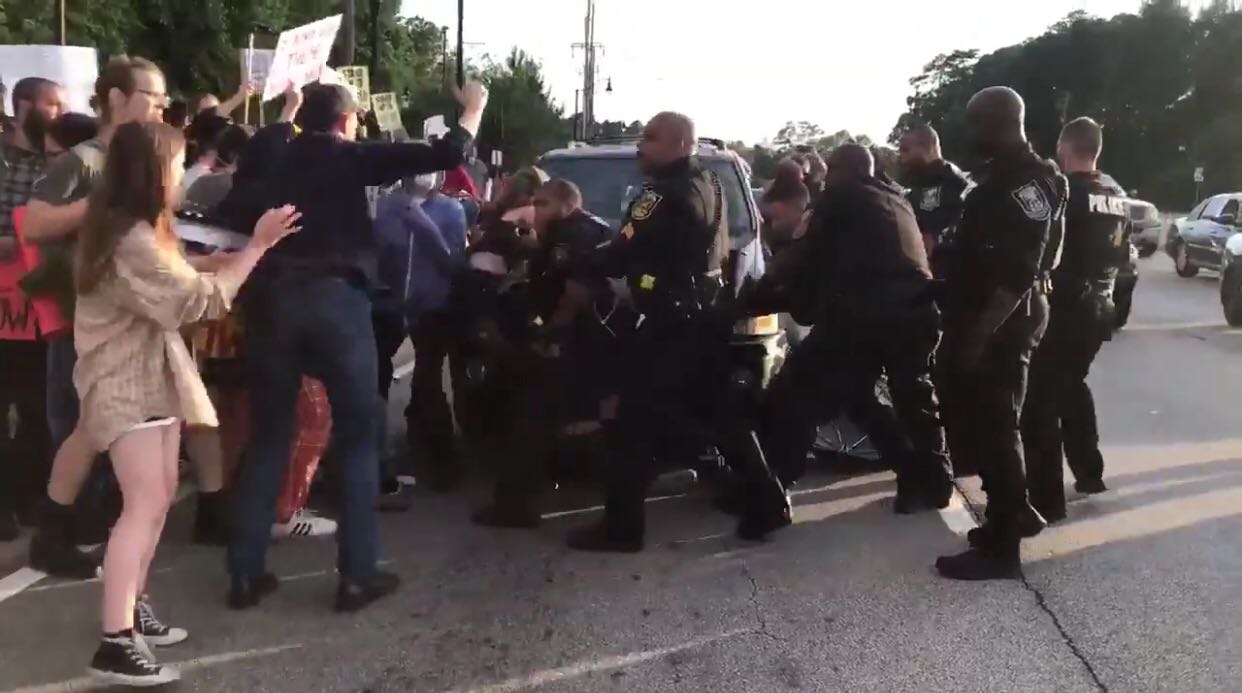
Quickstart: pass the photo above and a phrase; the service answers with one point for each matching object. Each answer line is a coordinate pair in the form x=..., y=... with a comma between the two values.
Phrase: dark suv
x=607, y=173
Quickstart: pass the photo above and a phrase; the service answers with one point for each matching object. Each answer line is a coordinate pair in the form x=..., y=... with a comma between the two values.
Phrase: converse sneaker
x=304, y=523
x=149, y=628
x=119, y=661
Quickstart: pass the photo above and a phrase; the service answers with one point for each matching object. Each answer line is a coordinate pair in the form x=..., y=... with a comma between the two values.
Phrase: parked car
x=1145, y=220
x=1197, y=241
x=1231, y=280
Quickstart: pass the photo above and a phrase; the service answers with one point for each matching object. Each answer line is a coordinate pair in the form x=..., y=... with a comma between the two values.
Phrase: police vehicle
x=607, y=173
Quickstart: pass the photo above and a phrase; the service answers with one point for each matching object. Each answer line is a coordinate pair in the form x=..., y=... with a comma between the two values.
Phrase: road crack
x=761, y=620
x=1042, y=603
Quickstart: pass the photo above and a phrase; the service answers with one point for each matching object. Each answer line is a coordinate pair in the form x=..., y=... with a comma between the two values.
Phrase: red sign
x=20, y=317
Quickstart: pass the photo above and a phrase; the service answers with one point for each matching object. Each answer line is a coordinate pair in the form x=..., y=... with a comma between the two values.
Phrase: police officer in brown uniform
x=997, y=280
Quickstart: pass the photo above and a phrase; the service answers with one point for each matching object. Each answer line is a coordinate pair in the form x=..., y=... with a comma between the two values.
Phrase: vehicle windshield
x=609, y=183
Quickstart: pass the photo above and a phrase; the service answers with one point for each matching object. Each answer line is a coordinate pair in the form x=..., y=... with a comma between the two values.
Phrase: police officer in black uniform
x=563, y=370
x=861, y=270
x=997, y=279
x=934, y=187
x=671, y=251
x=1060, y=411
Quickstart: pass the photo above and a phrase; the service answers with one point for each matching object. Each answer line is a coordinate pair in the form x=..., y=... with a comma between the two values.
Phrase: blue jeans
x=320, y=327
x=62, y=397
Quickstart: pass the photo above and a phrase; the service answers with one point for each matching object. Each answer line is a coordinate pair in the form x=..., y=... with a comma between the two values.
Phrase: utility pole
x=444, y=54
x=588, y=47
x=461, y=43
x=60, y=22
x=351, y=32
x=375, y=42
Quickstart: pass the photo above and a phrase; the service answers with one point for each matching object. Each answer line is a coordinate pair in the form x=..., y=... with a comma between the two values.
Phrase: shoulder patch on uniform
x=1033, y=201
x=930, y=200
x=645, y=205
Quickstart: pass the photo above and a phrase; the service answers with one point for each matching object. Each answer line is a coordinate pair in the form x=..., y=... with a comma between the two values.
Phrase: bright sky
x=742, y=73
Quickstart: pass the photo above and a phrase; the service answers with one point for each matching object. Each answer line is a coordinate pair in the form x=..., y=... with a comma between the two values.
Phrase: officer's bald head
x=668, y=137
x=919, y=147
x=850, y=162
x=994, y=119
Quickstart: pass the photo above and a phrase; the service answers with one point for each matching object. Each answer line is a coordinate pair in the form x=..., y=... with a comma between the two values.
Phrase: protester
x=128, y=90
x=210, y=103
x=134, y=374
x=423, y=235
x=209, y=191
x=458, y=182
x=308, y=311
x=23, y=468
x=202, y=134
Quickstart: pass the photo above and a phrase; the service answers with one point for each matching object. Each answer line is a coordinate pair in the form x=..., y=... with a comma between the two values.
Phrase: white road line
x=85, y=683
x=579, y=669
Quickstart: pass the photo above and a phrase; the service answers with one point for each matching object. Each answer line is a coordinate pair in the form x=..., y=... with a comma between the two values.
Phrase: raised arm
x=383, y=162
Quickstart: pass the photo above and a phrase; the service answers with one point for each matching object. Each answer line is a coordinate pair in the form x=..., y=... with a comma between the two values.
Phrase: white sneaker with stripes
x=304, y=523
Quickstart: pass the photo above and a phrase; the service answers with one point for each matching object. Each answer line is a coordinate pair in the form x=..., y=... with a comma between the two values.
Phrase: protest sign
x=47, y=312
x=434, y=127
x=358, y=78
x=386, y=112
x=300, y=56
x=255, y=65
x=17, y=314
x=74, y=67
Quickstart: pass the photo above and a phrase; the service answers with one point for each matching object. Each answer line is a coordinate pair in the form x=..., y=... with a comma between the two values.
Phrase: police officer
x=934, y=187
x=997, y=277
x=566, y=363
x=670, y=251
x=1060, y=411
x=864, y=262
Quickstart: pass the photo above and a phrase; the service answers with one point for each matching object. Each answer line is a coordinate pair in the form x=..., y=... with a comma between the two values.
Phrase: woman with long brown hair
x=134, y=374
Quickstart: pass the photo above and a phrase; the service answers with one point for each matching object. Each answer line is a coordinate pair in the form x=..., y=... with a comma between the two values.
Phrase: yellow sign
x=386, y=111
x=646, y=282
x=358, y=78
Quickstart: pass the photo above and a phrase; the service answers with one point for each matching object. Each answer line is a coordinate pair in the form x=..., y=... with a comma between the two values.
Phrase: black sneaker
x=1090, y=486
x=123, y=662
x=61, y=560
x=247, y=592
x=151, y=629
x=353, y=596
x=978, y=564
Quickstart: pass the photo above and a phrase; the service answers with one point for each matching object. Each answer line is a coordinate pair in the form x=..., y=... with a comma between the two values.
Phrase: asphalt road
x=1140, y=590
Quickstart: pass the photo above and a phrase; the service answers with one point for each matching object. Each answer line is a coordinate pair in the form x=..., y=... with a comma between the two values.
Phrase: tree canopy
x=1164, y=84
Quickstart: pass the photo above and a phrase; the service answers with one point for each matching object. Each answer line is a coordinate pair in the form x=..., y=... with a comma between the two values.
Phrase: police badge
x=644, y=206
x=931, y=199
x=1033, y=202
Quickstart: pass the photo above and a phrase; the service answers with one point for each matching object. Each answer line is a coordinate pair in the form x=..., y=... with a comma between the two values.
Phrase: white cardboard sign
x=256, y=65
x=74, y=67
x=386, y=113
x=301, y=55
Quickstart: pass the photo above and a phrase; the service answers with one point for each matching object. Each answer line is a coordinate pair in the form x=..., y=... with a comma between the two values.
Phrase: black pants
x=25, y=453
x=526, y=390
x=674, y=397
x=985, y=405
x=1060, y=411
x=835, y=370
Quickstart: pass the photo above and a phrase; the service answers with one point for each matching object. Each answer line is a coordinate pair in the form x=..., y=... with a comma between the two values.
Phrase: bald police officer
x=1060, y=411
x=670, y=252
x=997, y=278
x=934, y=187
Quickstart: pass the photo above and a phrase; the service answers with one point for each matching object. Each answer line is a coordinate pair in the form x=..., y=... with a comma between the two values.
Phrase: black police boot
x=507, y=516
x=52, y=548
x=1000, y=562
x=916, y=495
x=353, y=596
x=1090, y=486
x=210, y=526
x=602, y=538
x=774, y=512
x=1028, y=523
x=247, y=592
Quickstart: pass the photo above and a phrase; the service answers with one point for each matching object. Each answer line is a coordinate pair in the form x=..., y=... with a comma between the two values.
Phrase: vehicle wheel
x=1181, y=262
x=1231, y=300
x=1147, y=250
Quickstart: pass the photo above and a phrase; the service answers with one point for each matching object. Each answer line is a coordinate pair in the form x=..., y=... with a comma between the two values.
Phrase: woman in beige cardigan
x=134, y=375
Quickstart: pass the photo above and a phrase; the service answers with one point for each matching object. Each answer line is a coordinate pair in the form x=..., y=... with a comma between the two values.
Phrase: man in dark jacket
x=934, y=187
x=308, y=310
x=864, y=263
